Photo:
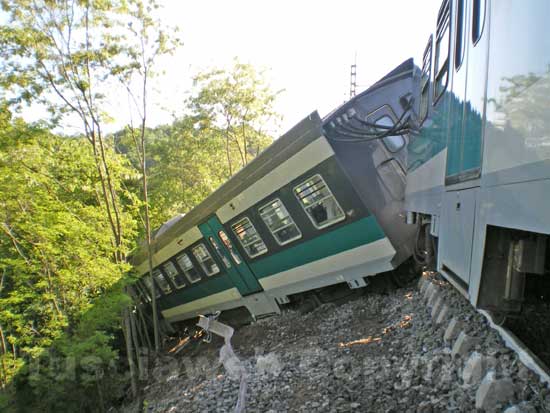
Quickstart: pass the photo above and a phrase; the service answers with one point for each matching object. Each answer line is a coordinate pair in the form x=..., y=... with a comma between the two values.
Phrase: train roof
x=306, y=131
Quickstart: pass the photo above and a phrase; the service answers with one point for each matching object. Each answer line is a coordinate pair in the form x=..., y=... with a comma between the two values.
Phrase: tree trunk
x=137, y=346
x=145, y=329
x=4, y=376
x=129, y=352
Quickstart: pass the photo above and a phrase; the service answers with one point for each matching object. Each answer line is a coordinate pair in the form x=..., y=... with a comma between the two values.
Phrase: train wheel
x=404, y=275
x=499, y=318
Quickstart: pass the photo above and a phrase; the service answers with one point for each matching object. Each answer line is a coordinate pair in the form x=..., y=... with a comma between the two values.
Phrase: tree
x=56, y=262
x=66, y=55
x=150, y=43
x=238, y=104
x=187, y=159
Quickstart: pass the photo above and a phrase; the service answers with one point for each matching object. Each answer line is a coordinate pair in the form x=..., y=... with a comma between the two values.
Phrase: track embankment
x=416, y=349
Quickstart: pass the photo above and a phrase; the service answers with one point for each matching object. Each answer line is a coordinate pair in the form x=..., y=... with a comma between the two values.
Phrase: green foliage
x=61, y=295
x=236, y=105
x=225, y=126
x=70, y=207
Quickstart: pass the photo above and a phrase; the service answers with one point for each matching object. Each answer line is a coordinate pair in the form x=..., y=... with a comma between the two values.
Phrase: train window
x=161, y=281
x=219, y=252
x=459, y=35
x=280, y=223
x=478, y=19
x=173, y=273
x=188, y=268
x=441, y=68
x=205, y=260
x=229, y=245
x=392, y=142
x=319, y=203
x=425, y=81
x=249, y=237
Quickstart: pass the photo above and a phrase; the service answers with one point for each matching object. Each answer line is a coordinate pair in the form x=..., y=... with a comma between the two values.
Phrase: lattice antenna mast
x=353, y=79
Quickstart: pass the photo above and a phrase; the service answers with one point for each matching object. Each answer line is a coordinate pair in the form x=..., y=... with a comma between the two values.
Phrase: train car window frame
x=253, y=233
x=443, y=35
x=268, y=210
x=187, y=269
x=479, y=15
x=218, y=250
x=386, y=111
x=307, y=208
x=162, y=282
x=425, y=79
x=460, y=37
x=173, y=275
x=206, y=257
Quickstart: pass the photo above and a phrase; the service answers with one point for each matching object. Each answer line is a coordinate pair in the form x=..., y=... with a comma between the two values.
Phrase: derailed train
x=448, y=163
x=300, y=216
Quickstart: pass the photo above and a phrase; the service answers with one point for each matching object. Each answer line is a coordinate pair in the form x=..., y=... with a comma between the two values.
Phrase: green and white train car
x=314, y=209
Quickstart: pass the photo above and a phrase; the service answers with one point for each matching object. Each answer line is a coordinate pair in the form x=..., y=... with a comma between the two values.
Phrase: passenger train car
x=478, y=170
x=323, y=205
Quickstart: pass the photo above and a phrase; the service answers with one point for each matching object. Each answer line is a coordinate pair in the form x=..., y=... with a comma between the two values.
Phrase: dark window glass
x=188, y=268
x=219, y=252
x=161, y=281
x=205, y=260
x=229, y=245
x=478, y=19
x=149, y=286
x=173, y=273
x=319, y=203
x=441, y=68
x=392, y=142
x=425, y=81
x=459, y=36
x=249, y=237
x=280, y=223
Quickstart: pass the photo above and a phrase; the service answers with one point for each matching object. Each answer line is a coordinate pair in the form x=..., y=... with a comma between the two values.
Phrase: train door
x=469, y=71
x=458, y=70
x=236, y=267
x=390, y=158
x=468, y=92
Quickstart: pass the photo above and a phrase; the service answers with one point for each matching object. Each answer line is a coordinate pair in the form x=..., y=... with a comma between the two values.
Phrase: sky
x=307, y=47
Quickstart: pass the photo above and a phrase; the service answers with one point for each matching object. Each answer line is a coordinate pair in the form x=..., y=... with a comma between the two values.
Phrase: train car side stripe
x=210, y=300
x=360, y=255
x=313, y=154
x=347, y=237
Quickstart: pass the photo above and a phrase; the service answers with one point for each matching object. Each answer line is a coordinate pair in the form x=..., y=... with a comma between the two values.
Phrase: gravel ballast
x=381, y=352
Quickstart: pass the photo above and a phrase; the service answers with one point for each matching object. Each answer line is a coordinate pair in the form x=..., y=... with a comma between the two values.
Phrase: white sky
x=307, y=45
